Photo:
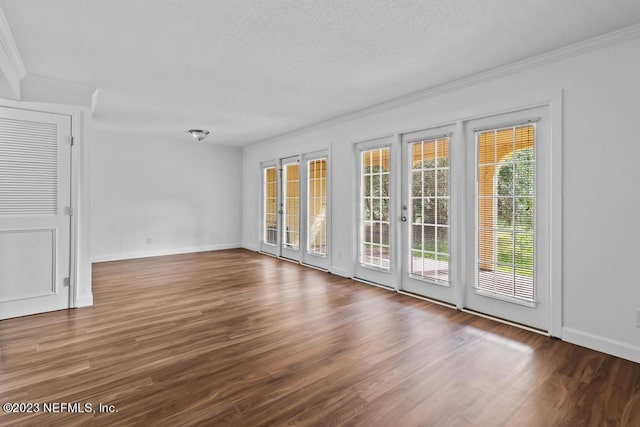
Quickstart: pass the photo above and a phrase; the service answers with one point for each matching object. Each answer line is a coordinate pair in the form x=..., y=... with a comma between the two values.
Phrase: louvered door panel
x=28, y=167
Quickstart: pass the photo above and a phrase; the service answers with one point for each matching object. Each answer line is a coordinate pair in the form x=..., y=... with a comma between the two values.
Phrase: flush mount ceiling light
x=198, y=134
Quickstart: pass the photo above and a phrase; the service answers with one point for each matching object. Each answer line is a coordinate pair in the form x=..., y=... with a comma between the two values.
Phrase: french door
x=376, y=210
x=295, y=209
x=472, y=209
x=427, y=214
x=508, y=236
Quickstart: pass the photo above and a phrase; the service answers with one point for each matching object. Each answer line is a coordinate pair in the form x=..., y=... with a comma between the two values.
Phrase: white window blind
x=505, y=206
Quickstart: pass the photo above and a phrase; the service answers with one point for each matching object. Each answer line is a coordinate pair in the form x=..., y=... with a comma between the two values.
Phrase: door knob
x=403, y=218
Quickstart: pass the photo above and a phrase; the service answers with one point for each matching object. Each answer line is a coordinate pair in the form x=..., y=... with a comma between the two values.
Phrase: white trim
x=84, y=301
x=10, y=59
x=615, y=37
x=377, y=285
x=162, y=252
x=431, y=300
x=506, y=322
x=555, y=214
x=249, y=247
x=342, y=272
x=603, y=344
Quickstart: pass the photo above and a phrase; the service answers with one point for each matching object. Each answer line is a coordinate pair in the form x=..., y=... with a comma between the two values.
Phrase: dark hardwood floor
x=237, y=338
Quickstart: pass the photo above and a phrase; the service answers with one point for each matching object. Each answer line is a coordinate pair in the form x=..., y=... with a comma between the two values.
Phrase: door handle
x=403, y=218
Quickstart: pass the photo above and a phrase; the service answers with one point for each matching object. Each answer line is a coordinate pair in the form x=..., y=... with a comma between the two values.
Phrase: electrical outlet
x=149, y=240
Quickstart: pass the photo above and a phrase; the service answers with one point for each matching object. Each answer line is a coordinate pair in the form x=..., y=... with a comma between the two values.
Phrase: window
x=290, y=206
x=505, y=223
x=317, y=207
x=270, y=215
x=430, y=209
x=375, y=249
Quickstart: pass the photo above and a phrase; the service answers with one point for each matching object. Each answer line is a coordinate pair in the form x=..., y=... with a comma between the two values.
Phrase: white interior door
x=316, y=210
x=508, y=233
x=375, y=210
x=427, y=214
x=269, y=218
x=35, y=191
x=290, y=208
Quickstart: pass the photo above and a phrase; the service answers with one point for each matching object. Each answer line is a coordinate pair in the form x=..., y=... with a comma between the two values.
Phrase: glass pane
x=417, y=211
x=443, y=211
x=442, y=240
x=429, y=183
x=429, y=210
x=443, y=182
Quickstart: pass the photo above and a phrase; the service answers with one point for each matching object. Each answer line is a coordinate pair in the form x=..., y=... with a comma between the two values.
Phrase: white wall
x=183, y=195
x=600, y=170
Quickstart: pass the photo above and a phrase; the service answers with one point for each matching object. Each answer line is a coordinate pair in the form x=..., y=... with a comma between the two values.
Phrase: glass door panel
x=508, y=278
x=269, y=221
x=317, y=242
x=374, y=207
x=291, y=208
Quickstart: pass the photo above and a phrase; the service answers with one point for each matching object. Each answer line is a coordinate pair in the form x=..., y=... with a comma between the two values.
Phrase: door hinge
x=72, y=141
x=66, y=281
x=68, y=210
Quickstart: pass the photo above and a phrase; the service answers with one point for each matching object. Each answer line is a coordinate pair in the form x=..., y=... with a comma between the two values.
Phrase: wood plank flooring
x=237, y=338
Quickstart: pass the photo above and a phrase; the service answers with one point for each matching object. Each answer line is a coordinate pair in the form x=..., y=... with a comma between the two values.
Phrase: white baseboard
x=599, y=343
x=84, y=301
x=161, y=252
x=343, y=272
x=250, y=247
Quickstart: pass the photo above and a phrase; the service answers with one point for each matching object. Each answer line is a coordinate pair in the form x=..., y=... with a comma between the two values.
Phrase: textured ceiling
x=252, y=69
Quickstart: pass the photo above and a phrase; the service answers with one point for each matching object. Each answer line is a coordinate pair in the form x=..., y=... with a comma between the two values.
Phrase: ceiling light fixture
x=198, y=134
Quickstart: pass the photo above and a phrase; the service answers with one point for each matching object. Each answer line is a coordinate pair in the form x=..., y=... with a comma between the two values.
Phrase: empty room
x=319, y=212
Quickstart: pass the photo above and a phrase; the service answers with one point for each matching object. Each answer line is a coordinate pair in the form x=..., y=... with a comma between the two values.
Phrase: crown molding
x=609, y=39
x=10, y=59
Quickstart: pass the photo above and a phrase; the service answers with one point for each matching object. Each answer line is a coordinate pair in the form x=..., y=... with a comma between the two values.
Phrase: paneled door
x=35, y=221
x=508, y=243
x=376, y=260
x=427, y=214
